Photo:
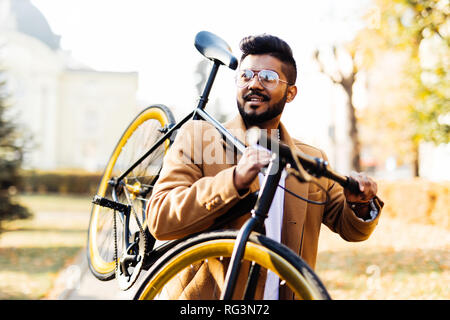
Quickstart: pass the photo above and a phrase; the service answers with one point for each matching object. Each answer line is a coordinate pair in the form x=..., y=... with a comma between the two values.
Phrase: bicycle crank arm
x=126, y=261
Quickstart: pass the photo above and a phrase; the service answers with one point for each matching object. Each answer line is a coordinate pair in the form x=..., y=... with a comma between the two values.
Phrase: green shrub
x=63, y=182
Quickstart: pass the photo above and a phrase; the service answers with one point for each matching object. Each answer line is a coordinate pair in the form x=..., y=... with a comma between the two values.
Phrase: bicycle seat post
x=212, y=76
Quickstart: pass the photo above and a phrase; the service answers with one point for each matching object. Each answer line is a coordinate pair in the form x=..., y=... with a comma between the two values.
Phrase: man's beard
x=255, y=119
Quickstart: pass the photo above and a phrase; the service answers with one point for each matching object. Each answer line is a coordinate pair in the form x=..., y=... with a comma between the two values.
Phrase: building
x=74, y=114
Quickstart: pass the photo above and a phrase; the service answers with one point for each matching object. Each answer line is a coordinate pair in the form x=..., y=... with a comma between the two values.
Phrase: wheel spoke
x=137, y=139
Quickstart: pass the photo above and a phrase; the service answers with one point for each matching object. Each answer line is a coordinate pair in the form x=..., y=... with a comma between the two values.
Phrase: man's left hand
x=367, y=186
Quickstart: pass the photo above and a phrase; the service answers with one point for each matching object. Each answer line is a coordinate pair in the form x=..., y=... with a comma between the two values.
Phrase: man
x=199, y=182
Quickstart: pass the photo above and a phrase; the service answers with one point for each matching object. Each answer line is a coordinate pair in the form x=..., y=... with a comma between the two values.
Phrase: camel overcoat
x=196, y=186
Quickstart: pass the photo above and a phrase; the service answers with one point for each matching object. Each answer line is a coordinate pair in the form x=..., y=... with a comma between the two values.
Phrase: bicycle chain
x=115, y=242
x=141, y=230
x=142, y=237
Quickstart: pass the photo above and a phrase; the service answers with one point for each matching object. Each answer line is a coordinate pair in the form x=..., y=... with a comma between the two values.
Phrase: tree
x=418, y=31
x=345, y=77
x=11, y=156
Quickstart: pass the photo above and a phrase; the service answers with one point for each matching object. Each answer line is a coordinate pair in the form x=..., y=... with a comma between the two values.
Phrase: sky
x=156, y=40
x=112, y=34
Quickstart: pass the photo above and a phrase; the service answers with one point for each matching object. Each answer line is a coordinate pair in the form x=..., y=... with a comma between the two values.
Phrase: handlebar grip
x=352, y=186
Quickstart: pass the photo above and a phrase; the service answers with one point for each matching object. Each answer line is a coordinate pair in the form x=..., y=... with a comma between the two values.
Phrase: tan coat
x=196, y=186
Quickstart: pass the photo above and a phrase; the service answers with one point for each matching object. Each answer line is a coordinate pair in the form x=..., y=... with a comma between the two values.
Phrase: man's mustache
x=256, y=93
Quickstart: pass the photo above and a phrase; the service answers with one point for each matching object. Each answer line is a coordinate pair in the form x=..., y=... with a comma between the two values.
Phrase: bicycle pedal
x=103, y=202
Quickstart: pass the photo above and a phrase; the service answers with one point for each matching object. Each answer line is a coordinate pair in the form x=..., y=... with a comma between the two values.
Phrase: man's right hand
x=252, y=161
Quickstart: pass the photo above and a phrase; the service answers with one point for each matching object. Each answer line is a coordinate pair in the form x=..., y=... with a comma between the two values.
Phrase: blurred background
x=373, y=93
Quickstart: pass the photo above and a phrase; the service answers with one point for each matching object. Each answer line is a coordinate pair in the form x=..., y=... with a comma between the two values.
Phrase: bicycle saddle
x=215, y=48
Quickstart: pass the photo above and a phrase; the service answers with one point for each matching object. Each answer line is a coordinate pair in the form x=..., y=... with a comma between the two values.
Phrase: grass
x=399, y=261
x=33, y=251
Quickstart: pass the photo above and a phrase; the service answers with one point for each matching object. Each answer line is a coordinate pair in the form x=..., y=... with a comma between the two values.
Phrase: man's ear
x=292, y=92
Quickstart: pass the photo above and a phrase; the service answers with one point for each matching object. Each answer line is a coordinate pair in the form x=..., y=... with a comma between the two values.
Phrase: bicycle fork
x=256, y=222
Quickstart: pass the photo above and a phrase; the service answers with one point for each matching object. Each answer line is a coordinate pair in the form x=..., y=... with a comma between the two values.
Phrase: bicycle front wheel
x=196, y=268
x=139, y=137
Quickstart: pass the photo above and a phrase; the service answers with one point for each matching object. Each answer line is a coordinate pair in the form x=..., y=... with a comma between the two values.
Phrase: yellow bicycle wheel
x=195, y=269
x=138, y=138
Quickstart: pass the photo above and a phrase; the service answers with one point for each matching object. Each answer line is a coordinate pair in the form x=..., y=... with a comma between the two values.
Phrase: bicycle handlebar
x=313, y=165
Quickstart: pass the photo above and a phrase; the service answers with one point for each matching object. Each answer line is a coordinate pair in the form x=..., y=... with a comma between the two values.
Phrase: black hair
x=273, y=46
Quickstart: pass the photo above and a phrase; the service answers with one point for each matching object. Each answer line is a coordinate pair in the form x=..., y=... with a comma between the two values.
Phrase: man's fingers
x=367, y=186
x=251, y=162
x=257, y=156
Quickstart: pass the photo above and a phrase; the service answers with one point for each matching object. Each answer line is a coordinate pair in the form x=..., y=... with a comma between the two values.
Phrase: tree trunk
x=347, y=81
x=347, y=84
x=416, y=164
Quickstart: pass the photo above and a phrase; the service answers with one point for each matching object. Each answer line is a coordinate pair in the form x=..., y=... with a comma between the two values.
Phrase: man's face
x=256, y=103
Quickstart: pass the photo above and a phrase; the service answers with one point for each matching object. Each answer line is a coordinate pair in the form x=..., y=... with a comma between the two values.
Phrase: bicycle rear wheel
x=138, y=138
x=195, y=269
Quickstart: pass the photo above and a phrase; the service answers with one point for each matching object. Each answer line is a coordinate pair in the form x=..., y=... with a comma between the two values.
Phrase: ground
x=399, y=261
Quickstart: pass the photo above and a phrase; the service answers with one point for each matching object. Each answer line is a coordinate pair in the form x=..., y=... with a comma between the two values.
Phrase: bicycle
x=127, y=184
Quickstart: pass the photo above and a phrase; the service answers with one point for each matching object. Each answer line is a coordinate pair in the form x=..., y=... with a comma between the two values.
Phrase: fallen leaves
x=399, y=261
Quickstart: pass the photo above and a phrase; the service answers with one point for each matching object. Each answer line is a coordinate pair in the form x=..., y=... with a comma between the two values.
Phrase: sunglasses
x=269, y=79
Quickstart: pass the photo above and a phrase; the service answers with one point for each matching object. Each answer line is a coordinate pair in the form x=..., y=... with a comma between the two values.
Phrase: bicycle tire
x=137, y=138
x=271, y=255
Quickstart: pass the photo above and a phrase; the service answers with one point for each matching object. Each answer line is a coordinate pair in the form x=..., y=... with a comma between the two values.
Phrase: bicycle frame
x=259, y=212
x=261, y=205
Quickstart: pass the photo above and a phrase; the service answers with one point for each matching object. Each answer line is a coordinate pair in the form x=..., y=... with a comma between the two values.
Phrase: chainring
x=133, y=267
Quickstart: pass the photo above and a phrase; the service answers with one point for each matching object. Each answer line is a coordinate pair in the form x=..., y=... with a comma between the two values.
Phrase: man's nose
x=254, y=83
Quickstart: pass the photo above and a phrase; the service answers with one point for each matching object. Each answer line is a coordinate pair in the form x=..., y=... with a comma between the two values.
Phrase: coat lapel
x=294, y=216
x=294, y=208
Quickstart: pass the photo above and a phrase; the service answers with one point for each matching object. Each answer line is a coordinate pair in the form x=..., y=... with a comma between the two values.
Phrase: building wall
x=73, y=116
x=33, y=73
x=96, y=108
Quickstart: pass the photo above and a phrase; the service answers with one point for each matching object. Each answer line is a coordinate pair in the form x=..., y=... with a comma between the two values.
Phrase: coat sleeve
x=340, y=218
x=184, y=201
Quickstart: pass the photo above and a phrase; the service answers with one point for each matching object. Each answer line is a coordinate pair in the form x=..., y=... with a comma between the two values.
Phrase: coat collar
x=237, y=127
